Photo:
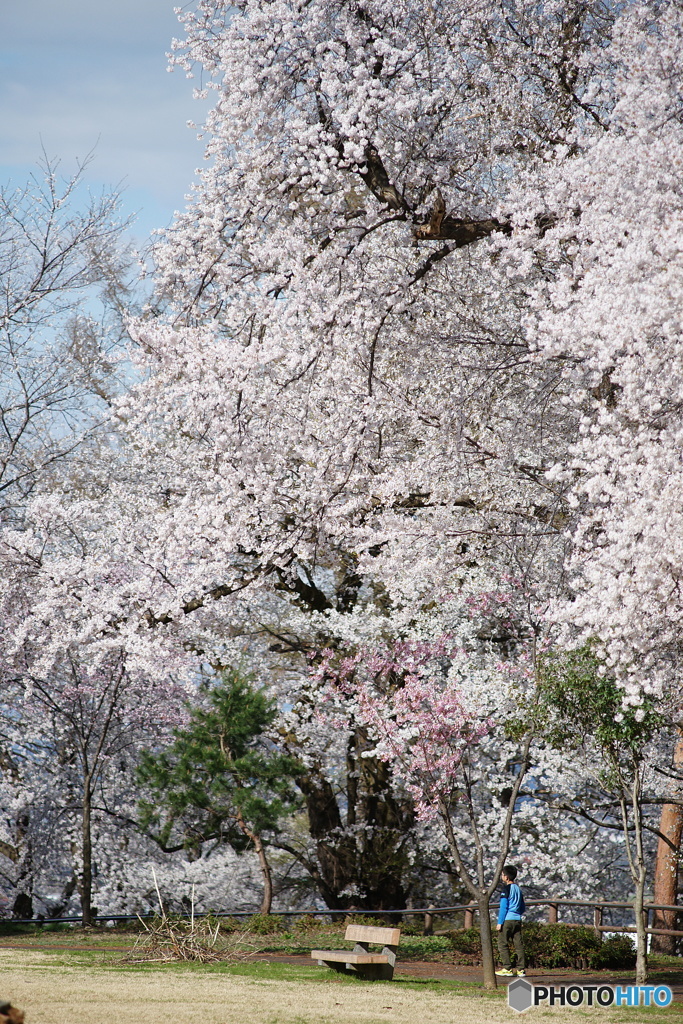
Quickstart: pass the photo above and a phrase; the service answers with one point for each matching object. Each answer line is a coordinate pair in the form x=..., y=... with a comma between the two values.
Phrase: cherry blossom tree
x=387, y=314
x=64, y=268
x=610, y=310
x=608, y=307
x=618, y=755
x=314, y=399
x=79, y=728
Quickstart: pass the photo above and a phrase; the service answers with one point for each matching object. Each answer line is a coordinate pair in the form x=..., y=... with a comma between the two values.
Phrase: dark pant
x=511, y=932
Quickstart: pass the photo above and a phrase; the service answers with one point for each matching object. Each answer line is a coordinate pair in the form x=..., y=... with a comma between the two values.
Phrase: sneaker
x=521, y=974
x=505, y=972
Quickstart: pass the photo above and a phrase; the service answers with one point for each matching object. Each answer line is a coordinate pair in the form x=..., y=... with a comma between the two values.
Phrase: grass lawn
x=72, y=977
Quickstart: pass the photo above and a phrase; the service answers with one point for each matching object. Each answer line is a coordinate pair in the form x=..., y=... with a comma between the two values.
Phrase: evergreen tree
x=221, y=779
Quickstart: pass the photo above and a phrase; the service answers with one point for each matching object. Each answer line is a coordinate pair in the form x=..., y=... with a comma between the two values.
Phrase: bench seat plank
x=370, y=933
x=346, y=956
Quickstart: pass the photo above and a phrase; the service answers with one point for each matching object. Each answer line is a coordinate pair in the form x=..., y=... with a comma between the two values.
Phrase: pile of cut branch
x=166, y=940
x=169, y=940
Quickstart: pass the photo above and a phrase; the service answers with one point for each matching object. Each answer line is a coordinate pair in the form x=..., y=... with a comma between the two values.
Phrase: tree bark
x=255, y=838
x=641, y=878
x=637, y=868
x=641, y=934
x=486, y=934
x=23, y=903
x=267, y=901
x=358, y=868
x=665, y=884
x=7, y=850
x=86, y=854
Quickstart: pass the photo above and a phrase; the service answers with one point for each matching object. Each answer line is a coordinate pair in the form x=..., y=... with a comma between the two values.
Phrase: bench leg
x=369, y=972
x=335, y=965
x=376, y=972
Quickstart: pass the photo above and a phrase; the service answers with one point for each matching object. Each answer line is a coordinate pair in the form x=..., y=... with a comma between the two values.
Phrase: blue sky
x=84, y=74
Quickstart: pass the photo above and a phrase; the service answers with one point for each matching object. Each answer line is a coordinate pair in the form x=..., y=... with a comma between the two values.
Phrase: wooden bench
x=360, y=960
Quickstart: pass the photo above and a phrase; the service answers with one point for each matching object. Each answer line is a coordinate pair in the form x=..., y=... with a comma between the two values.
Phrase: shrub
x=308, y=923
x=264, y=924
x=553, y=946
x=466, y=945
x=414, y=928
x=231, y=924
x=614, y=954
x=556, y=945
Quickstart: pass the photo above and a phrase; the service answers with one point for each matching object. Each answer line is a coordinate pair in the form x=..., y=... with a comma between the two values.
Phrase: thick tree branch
x=438, y=225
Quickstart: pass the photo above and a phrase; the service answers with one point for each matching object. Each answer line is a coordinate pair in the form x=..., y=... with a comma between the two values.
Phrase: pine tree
x=221, y=778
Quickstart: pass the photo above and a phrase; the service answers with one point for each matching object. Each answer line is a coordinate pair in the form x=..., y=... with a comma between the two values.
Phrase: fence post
x=597, y=921
x=552, y=913
x=429, y=921
x=469, y=917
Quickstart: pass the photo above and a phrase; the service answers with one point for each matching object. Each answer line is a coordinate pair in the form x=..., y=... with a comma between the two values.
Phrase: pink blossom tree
x=438, y=733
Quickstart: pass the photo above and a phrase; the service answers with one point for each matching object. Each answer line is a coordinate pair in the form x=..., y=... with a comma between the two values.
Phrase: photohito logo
x=522, y=995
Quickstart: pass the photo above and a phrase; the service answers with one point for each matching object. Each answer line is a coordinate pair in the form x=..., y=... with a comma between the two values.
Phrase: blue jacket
x=511, y=904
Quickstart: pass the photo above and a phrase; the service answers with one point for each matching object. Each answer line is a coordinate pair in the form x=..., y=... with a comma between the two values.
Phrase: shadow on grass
x=265, y=970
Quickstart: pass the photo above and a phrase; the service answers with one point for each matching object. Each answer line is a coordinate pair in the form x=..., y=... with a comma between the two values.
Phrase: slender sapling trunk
x=486, y=933
x=86, y=855
x=267, y=900
x=640, y=880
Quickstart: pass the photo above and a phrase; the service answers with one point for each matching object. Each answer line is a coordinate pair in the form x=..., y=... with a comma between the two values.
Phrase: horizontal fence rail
x=469, y=910
x=598, y=907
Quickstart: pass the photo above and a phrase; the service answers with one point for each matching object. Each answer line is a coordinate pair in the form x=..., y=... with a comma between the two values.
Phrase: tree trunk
x=486, y=934
x=631, y=793
x=267, y=900
x=665, y=883
x=86, y=855
x=641, y=934
x=23, y=904
x=640, y=878
x=370, y=862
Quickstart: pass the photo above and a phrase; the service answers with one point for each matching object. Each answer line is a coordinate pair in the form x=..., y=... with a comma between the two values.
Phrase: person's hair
x=510, y=872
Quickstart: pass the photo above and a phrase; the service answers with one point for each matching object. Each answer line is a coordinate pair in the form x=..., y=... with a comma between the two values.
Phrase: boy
x=509, y=925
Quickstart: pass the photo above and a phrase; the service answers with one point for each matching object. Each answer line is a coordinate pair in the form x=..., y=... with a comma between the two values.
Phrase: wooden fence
x=555, y=906
x=598, y=908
